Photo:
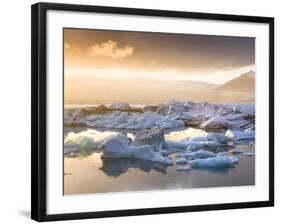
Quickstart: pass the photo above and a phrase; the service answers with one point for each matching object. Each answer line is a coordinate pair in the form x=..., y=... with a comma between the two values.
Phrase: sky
x=161, y=56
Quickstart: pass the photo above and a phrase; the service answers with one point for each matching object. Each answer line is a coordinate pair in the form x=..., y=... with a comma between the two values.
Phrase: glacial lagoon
x=91, y=174
x=189, y=146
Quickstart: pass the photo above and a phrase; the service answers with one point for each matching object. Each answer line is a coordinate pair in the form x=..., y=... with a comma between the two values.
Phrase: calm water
x=91, y=174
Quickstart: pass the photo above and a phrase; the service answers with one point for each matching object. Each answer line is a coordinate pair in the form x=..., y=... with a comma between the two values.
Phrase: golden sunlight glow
x=217, y=77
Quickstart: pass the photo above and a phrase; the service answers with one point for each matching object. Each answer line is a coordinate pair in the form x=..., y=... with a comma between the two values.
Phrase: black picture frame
x=39, y=108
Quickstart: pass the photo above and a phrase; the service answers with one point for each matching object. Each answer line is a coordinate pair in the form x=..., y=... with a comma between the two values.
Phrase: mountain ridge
x=243, y=83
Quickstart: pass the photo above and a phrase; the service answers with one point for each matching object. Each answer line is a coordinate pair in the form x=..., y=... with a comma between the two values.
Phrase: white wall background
x=15, y=110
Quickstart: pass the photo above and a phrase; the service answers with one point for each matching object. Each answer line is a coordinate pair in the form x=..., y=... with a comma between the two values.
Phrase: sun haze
x=91, y=55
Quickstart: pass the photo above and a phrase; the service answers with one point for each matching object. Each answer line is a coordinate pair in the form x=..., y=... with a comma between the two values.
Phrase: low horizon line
x=151, y=79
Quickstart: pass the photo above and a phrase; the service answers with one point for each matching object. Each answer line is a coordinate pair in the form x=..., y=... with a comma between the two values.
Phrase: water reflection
x=218, y=170
x=116, y=167
x=86, y=172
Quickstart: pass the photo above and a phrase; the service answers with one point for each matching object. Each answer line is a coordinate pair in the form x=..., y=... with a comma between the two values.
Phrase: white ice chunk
x=236, y=151
x=183, y=168
x=217, y=122
x=153, y=137
x=90, y=139
x=240, y=135
x=134, y=121
x=218, y=137
x=117, y=147
x=181, y=160
x=200, y=154
x=248, y=153
x=185, y=134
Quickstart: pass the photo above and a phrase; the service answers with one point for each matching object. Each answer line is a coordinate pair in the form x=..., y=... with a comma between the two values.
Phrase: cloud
x=110, y=49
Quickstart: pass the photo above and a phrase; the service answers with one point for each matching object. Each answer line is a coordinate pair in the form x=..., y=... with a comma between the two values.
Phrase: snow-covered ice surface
x=151, y=144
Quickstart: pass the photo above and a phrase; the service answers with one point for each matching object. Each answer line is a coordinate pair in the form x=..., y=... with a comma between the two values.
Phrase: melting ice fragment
x=236, y=151
x=118, y=147
x=153, y=137
x=215, y=162
x=182, y=160
x=248, y=153
x=240, y=135
x=200, y=154
x=89, y=139
x=183, y=168
x=134, y=121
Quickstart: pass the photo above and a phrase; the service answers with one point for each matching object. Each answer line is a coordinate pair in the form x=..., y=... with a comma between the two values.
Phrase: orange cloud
x=110, y=49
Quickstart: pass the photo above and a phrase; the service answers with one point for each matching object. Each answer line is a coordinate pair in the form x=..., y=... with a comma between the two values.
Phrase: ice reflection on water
x=88, y=173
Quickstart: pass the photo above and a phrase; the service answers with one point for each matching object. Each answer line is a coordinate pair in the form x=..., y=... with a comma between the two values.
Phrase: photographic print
x=133, y=105
x=150, y=111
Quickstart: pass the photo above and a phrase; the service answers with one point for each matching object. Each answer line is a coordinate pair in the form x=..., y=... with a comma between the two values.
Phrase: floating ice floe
x=171, y=115
x=89, y=139
x=153, y=137
x=217, y=122
x=200, y=154
x=240, y=135
x=182, y=160
x=120, y=106
x=248, y=153
x=181, y=135
x=183, y=168
x=226, y=121
x=118, y=147
x=192, y=145
x=215, y=162
x=236, y=151
x=168, y=109
x=195, y=138
x=178, y=145
x=169, y=151
x=217, y=137
x=134, y=121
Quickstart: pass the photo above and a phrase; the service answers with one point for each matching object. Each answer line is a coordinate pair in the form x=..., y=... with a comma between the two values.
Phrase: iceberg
x=232, y=120
x=118, y=147
x=153, y=137
x=218, y=137
x=170, y=109
x=200, y=154
x=183, y=168
x=120, y=106
x=85, y=140
x=217, y=122
x=150, y=108
x=215, y=162
x=182, y=160
x=186, y=134
x=236, y=151
x=192, y=145
x=133, y=121
x=169, y=151
x=240, y=135
x=189, y=105
x=248, y=153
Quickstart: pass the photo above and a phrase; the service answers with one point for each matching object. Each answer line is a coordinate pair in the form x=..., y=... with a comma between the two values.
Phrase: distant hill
x=89, y=89
x=243, y=83
x=92, y=90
